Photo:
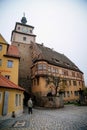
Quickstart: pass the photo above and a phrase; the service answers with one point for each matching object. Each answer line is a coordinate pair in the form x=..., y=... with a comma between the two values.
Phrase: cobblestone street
x=68, y=118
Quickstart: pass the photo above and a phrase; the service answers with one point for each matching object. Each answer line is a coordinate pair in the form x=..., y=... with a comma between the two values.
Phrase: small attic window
x=57, y=60
x=66, y=63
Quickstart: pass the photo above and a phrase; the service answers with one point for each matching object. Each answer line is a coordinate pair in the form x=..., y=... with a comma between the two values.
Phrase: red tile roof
x=13, y=51
x=8, y=84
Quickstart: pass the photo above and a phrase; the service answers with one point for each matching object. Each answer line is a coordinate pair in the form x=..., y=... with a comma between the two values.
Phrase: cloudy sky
x=59, y=24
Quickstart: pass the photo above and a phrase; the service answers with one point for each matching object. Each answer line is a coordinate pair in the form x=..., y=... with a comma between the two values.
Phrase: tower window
x=30, y=31
x=24, y=38
x=18, y=28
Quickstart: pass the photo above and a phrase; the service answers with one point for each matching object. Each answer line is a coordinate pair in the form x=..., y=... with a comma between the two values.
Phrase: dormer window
x=57, y=61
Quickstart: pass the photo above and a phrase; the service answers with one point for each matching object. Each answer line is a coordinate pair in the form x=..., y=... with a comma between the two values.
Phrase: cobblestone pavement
x=68, y=118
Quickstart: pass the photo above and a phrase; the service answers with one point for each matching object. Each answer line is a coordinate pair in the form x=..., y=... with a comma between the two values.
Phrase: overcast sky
x=59, y=24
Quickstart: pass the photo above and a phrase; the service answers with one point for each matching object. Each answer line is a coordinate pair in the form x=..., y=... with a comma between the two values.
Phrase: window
x=18, y=28
x=18, y=99
x=79, y=83
x=24, y=38
x=0, y=47
x=10, y=64
x=66, y=72
x=30, y=31
x=64, y=94
x=40, y=67
x=71, y=92
x=73, y=74
x=0, y=62
x=49, y=68
x=70, y=82
x=65, y=82
x=7, y=76
x=68, y=94
x=53, y=70
x=76, y=93
x=0, y=97
x=74, y=83
x=56, y=70
x=44, y=67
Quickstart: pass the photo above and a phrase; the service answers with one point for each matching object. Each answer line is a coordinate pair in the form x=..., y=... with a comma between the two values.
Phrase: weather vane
x=23, y=14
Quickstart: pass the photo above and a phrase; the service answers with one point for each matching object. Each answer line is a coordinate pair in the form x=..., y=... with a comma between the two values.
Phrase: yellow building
x=9, y=60
x=11, y=97
x=50, y=70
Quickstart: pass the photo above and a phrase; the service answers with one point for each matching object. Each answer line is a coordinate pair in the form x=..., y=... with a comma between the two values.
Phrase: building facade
x=22, y=37
x=43, y=69
x=11, y=95
x=9, y=60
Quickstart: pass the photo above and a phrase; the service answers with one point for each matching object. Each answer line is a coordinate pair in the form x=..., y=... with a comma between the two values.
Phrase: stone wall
x=50, y=102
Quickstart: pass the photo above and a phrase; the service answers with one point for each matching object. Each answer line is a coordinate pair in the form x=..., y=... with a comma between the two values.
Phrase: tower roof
x=24, y=20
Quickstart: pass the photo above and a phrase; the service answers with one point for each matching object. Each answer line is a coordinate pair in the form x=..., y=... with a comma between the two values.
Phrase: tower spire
x=24, y=20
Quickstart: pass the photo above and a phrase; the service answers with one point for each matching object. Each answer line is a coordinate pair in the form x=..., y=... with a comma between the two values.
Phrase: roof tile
x=13, y=51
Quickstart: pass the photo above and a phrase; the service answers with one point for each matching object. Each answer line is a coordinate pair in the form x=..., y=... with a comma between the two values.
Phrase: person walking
x=30, y=105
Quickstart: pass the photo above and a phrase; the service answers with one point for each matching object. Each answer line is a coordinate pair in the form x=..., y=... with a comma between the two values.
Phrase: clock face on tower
x=24, y=30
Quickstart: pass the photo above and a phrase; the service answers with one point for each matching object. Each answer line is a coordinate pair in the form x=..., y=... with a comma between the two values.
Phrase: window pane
x=24, y=38
x=10, y=64
x=40, y=67
x=20, y=99
x=16, y=100
x=7, y=76
x=74, y=83
x=44, y=67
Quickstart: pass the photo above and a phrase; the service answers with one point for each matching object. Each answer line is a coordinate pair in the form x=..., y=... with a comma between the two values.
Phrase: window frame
x=18, y=101
x=24, y=38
